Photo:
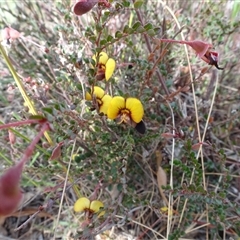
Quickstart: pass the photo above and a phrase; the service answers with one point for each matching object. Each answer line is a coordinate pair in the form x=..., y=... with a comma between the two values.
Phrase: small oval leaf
x=118, y=34
x=138, y=3
x=136, y=25
x=148, y=26
x=109, y=38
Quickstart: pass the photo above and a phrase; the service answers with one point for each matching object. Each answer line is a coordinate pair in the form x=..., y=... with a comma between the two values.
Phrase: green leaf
x=235, y=10
x=91, y=72
x=92, y=38
x=99, y=27
x=126, y=29
x=120, y=187
x=79, y=86
x=109, y=38
x=141, y=29
x=148, y=26
x=103, y=42
x=136, y=25
x=126, y=3
x=151, y=32
x=89, y=32
x=105, y=16
x=118, y=6
x=48, y=110
x=138, y=3
x=177, y=162
x=131, y=30
x=118, y=34
x=98, y=49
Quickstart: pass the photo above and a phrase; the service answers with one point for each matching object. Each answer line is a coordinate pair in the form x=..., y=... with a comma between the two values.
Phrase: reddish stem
x=24, y=122
x=29, y=150
x=174, y=41
x=200, y=47
x=161, y=80
x=96, y=190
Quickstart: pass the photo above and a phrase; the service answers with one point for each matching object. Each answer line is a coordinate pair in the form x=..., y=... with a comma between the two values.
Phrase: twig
x=144, y=233
x=64, y=189
x=29, y=150
x=150, y=50
x=17, y=124
x=41, y=208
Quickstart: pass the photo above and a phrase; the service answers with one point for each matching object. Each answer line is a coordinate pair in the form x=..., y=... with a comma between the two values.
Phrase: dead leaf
x=57, y=151
x=161, y=176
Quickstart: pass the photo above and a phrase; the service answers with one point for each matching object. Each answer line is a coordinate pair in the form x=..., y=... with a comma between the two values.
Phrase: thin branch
x=20, y=123
x=64, y=189
x=161, y=80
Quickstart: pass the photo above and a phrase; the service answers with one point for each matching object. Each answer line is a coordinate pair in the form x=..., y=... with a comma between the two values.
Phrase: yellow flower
x=166, y=211
x=105, y=65
x=83, y=204
x=102, y=99
x=129, y=110
x=74, y=156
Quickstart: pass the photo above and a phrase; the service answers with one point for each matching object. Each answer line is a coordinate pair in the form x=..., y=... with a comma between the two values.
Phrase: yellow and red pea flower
x=105, y=66
x=127, y=110
x=102, y=99
x=83, y=204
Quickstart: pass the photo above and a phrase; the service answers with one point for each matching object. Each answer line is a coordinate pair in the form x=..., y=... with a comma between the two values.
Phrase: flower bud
x=83, y=6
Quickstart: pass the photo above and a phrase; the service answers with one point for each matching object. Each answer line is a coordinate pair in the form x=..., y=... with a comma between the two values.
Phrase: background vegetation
x=185, y=104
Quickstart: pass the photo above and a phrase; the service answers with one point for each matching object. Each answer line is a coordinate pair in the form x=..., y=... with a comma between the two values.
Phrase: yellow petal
x=164, y=210
x=88, y=96
x=103, y=57
x=117, y=103
x=95, y=207
x=110, y=67
x=105, y=104
x=74, y=156
x=81, y=204
x=136, y=108
x=98, y=92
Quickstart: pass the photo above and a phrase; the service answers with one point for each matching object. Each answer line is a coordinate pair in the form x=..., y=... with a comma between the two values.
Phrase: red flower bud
x=56, y=153
x=10, y=191
x=202, y=49
x=83, y=6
